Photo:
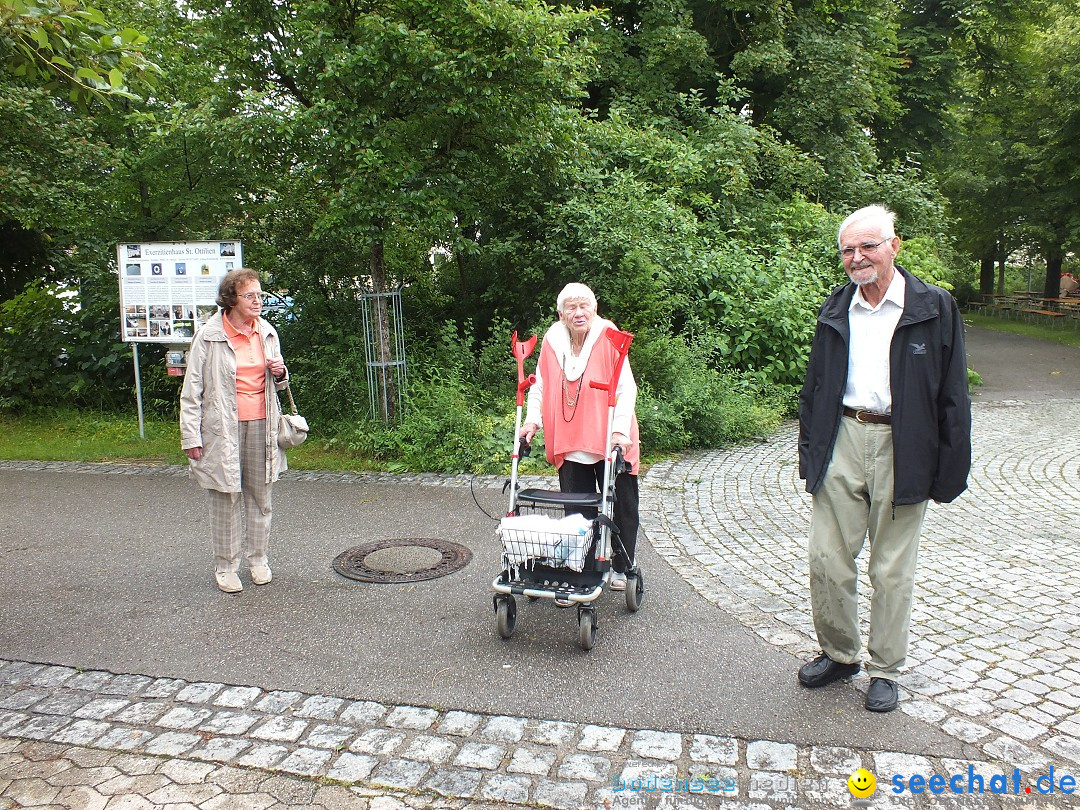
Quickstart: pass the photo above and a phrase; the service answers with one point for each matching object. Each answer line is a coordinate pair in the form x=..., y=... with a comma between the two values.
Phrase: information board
x=168, y=289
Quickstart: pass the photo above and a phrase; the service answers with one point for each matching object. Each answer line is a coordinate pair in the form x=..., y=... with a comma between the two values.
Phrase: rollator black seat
x=551, y=497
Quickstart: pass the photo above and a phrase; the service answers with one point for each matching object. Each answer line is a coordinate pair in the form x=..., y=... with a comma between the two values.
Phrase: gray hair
x=574, y=290
x=876, y=214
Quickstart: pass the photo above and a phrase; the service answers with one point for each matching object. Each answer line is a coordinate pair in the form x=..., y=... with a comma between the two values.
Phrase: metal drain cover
x=409, y=559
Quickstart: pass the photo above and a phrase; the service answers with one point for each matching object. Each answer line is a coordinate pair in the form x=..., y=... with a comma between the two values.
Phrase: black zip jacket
x=931, y=410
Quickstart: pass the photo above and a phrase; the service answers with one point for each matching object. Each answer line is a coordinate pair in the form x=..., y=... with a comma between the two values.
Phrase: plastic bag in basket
x=560, y=542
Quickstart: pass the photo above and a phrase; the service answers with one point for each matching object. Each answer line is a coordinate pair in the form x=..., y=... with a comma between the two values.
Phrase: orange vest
x=583, y=426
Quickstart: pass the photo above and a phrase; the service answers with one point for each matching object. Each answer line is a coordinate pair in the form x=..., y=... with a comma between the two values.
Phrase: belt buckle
x=859, y=418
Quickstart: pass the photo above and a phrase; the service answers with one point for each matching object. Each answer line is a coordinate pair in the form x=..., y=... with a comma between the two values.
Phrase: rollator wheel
x=635, y=591
x=587, y=628
x=506, y=616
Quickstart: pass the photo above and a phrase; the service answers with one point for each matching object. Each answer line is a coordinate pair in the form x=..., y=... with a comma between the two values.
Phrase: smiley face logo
x=862, y=784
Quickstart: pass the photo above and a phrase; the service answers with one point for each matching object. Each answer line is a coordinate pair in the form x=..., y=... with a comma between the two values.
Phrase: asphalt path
x=113, y=572
x=1020, y=368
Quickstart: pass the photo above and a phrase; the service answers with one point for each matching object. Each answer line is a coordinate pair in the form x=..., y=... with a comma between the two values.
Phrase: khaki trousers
x=855, y=500
x=240, y=521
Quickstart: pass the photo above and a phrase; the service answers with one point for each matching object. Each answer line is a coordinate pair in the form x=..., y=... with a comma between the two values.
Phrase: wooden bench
x=1004, y=305
x=1049, y=313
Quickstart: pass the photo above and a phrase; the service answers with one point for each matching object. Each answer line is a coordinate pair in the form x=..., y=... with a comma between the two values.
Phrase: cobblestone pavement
x=995, y=653
x=995, y=662
x=90, y=739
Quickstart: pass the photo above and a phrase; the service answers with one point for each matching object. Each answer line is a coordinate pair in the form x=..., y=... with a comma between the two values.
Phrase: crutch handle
x=523, y=386
x=521, y=350
x=621, y=341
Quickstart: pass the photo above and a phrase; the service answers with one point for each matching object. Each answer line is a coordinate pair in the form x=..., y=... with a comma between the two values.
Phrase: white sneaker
x=617, y=581
x=228, y=581
x=261, y=574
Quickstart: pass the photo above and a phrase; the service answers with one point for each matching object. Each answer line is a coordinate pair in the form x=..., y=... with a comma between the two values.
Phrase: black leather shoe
x=882, y=696
x=823, y=671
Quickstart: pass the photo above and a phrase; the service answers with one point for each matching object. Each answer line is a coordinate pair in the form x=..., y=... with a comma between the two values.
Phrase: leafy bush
x=765, y=309
x=441, y=428
x=920, y=256
x=328, y=378
x=459, y=405
x=58, y=347
x=32, y=349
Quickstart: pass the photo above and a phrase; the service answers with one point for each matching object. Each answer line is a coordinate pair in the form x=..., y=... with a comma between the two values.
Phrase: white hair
x=877, y=214
x=574, y=290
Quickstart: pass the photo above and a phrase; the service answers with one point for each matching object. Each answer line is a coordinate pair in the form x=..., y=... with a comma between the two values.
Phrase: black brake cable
x=478, y=506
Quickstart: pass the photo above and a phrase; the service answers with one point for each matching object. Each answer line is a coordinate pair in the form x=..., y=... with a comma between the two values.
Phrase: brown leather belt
x=868, y=416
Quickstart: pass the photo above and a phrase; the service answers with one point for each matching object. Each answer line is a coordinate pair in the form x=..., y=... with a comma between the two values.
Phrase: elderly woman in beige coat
x=228, y=426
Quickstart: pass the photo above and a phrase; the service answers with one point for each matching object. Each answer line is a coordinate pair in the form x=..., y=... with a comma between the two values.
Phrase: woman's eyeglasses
x=260, y=297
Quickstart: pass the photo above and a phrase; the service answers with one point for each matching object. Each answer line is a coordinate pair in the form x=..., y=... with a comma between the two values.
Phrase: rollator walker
x=557, y=545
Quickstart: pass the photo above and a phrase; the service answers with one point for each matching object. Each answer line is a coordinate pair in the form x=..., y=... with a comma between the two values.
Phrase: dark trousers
x=577, y=477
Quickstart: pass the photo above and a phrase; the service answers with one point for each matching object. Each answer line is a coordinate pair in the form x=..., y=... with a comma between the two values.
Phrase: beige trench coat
x=208, y=408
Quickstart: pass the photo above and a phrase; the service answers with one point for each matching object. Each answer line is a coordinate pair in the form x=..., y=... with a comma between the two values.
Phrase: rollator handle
x=620, y=464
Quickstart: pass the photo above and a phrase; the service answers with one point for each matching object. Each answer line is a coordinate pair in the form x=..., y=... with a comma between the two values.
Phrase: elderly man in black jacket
x=884, y=426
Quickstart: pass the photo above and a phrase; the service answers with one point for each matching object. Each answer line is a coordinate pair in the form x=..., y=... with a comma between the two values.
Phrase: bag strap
x=292, y=404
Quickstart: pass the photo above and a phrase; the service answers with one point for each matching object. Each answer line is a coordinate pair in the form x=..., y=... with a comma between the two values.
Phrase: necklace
x=570, y=395
x=571, y=399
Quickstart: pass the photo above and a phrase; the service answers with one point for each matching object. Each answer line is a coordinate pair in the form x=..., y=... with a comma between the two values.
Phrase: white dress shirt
x=868, y=382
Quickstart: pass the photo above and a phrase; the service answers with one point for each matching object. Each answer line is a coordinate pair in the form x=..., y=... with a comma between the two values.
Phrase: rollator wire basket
x=558, y=542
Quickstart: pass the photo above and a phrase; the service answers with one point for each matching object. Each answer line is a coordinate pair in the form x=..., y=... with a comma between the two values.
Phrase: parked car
x=279, y=307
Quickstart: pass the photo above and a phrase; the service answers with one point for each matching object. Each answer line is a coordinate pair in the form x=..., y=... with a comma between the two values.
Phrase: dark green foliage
x=690, y=160
x=32, y=350
x=685, y=402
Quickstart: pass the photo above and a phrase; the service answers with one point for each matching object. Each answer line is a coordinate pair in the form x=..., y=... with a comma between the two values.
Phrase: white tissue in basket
x=555, y=541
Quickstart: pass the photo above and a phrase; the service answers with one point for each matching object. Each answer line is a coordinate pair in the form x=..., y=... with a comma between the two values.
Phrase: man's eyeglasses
x=260, y=297
x=866, y=248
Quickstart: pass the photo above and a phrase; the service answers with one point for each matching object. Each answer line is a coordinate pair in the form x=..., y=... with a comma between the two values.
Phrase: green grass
x=63, y=434
x=69, y=435
x=1064, y=333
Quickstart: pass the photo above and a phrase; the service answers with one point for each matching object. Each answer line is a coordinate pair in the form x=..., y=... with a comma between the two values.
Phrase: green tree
x=69, y=47
x=1051, y=140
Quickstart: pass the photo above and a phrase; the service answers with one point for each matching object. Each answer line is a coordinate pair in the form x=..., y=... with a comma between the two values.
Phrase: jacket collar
x=214, y=329
x=231, y=331
x=920, y=304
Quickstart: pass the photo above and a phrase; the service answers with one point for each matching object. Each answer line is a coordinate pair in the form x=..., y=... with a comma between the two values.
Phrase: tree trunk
x=1002, y=256
x=385, y=368
x=1054, y=257
x=377, y=264
x=986, y=275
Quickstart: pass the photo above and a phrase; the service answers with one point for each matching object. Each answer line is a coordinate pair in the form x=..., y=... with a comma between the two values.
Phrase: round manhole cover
x=410, y=559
